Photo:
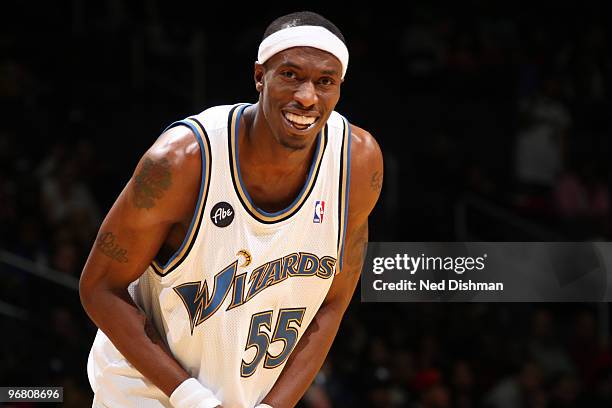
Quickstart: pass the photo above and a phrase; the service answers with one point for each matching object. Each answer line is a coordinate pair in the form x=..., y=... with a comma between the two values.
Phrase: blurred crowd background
x=494, y=120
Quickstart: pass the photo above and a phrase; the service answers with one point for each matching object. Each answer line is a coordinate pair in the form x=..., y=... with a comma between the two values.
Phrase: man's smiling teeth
x=300, y=120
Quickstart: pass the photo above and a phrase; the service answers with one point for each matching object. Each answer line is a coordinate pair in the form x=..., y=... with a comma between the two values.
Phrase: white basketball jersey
x=237, y=296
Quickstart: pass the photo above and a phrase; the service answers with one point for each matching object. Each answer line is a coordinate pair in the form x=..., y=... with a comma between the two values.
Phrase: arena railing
x=35, y=269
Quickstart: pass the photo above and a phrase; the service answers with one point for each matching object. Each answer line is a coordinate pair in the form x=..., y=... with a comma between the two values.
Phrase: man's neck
x=257, y=144
x=272, y=173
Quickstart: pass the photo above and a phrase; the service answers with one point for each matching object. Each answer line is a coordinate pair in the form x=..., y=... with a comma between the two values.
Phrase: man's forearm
x=307, y=358
x=135, y=337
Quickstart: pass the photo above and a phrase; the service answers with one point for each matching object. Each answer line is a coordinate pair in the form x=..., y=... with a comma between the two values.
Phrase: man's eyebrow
x=289, y=64
x=330, y=72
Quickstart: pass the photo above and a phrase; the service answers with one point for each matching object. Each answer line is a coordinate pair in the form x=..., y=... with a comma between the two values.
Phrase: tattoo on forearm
x=376, y=181
x=363, y=242
x=109, y=247
x=358, y=249
x=151, y=182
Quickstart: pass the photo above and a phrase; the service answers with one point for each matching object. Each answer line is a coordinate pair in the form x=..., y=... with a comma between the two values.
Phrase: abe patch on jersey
x=222, y=214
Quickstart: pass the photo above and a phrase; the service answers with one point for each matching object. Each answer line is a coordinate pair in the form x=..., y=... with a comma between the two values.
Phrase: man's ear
x=258, y=76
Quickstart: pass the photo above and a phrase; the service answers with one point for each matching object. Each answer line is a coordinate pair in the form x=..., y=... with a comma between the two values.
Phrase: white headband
x=304, y=36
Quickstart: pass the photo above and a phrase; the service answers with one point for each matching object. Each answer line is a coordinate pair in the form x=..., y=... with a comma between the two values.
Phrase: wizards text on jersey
x=201, y=304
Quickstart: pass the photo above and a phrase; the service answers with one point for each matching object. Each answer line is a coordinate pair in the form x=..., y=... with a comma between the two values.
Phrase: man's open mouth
x=300, y=122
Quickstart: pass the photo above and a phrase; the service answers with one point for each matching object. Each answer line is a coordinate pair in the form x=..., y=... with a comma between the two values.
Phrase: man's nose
x=306, y=94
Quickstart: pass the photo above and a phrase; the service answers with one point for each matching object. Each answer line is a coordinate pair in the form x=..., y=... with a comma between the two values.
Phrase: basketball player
x=221, y=273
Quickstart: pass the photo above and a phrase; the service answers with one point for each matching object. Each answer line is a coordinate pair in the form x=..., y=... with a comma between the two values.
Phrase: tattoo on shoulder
x=151, y=182
x=107, y=243
x=376, y=181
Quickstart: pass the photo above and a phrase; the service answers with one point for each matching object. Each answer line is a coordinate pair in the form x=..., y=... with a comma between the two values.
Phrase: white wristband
x=192, y=394
x=263, y=406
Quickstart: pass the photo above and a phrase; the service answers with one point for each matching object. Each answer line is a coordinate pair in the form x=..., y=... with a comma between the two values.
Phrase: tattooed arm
x=310, y=352
x=155, y=204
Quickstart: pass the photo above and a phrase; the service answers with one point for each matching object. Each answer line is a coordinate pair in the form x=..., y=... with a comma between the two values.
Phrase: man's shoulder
x=179, y=144
x=179, y=148
x=180, y=140
x=364, y=147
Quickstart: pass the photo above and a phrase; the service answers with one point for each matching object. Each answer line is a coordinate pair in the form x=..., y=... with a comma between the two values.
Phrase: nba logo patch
x=319, y=210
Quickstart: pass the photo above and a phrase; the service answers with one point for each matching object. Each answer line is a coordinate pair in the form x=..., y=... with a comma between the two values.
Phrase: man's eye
x=288, y=74
x=326, y=81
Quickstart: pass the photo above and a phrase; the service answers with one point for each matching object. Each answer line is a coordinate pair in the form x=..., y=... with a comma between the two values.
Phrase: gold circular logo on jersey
x=247, y=257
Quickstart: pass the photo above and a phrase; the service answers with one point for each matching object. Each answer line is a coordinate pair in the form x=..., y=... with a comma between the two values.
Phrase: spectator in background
x=540, y=144
x=403, y=373
x=66, y=259
x=522, y=390
x=380, y=396
x=544, y=347
x=64, y=194
x=422, y=49
x=30, y=242
x=565, y=392
x=8, y=201
x=435, y=396
x=432, y=392
x=462, y=385
x=50, y=164
x=318, y=395
x=589, y=352
x=581, y=192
